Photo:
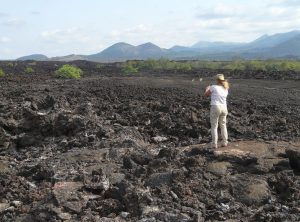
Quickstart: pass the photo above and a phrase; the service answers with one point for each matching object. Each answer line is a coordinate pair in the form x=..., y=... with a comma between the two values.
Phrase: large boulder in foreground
x=250, y=191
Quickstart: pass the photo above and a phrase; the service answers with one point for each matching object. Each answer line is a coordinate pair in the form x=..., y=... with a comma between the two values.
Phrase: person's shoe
x=224, y=144
x=214, y=146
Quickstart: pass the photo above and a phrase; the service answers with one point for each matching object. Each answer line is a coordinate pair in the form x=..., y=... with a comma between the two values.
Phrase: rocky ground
x=111, y=147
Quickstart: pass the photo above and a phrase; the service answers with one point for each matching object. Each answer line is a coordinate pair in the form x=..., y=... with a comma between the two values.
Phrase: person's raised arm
x=207, y=92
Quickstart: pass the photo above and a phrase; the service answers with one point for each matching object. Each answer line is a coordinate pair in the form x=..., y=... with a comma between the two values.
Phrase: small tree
x=2, y=73
x=68, y=72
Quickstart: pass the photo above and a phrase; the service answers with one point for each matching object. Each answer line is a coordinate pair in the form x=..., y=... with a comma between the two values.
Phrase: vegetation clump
x=128, y=68
x=2, y=73
x=239, y=65
x=10, y=65
x=162, y=64
x=99, y=66
x=29, y=70
x=247, y=65
x=69, y=72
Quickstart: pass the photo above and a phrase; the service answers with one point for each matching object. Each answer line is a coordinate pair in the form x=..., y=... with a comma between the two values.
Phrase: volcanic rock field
x=116, y=147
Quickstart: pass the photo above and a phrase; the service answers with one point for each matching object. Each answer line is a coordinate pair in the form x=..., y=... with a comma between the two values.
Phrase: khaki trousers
x=218, y=114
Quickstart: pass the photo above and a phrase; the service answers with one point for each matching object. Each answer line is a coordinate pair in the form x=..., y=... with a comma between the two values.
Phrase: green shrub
x=2, y=73
x=10, y=65
x=29, y=70
x=68, y=72
x=129, y=68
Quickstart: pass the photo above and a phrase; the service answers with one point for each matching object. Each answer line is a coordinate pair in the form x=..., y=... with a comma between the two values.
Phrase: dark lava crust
x=111, y=147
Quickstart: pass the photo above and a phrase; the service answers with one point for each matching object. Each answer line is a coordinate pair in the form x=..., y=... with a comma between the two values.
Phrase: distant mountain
x=116, y=51
x=267, y=41
x=267, y=46
x=124, y=51
x=281, y=45
x=178, y=48
x=68, y=58
x=216, y=45
x=289, y=48
x=149, y=50
x=274, y=46
x=37, y=57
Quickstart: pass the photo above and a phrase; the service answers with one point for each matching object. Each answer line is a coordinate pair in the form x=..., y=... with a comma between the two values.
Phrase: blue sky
x=62, y=27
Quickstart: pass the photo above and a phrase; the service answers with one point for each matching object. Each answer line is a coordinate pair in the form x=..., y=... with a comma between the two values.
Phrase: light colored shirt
x=218, y=95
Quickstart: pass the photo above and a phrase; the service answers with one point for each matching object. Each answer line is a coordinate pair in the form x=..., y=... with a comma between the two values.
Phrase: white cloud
x=2, y=14
x=133, y=35
x=137, y=29
x=7, y=52
x=221, y=11
x=277, y=11
x=233, y=22
x=73, y=40
x=49, y=34
x=132, y=31
x=240, y=21
x=115, y=34
x=72, y=34
x=14, y=22
x=285, y=3
x=35, y=13
x=4, y=39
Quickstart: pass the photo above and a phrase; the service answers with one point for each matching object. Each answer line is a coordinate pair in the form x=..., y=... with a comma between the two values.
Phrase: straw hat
x=220, y=77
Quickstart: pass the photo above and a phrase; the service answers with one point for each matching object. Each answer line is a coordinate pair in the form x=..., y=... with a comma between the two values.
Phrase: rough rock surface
x=110, y=147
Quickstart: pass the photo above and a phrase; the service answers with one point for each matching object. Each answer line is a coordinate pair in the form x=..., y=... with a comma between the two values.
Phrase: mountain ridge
x=37, y=57
x=267, y=46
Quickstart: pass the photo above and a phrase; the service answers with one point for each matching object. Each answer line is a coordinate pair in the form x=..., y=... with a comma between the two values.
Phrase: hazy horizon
x=57, y=28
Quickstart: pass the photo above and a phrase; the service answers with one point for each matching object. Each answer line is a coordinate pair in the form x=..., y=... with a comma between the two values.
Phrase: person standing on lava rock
x=218, y=109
